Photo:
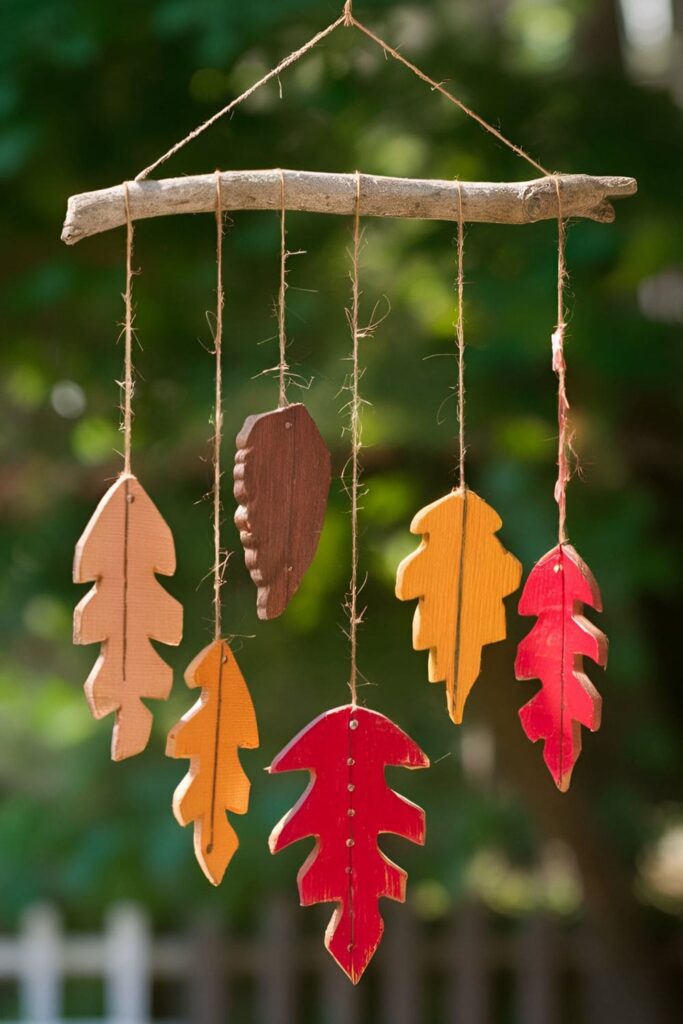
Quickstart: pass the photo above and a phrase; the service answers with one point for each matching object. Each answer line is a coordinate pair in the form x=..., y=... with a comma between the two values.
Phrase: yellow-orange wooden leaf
x=210, y=734
x=460, y=573
x=125, y=543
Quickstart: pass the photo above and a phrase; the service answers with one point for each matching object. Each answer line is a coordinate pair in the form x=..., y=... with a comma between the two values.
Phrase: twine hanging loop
x=283, y=367
x=460, y=342
x=219, y=562
x=128, y=339
x=352, y=600
x=564, y=439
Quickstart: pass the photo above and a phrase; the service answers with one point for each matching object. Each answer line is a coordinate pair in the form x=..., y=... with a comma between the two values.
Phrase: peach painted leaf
x=123, y=547
x=346, y=806
x=558, y=587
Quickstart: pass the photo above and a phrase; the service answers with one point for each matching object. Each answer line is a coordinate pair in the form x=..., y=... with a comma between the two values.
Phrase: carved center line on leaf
x=216, y=741
x=458, y=613
x=124, y=611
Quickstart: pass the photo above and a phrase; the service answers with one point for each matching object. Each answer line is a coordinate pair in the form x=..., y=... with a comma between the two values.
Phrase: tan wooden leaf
x=125, y=543
x=210, y=734
x=460, y=574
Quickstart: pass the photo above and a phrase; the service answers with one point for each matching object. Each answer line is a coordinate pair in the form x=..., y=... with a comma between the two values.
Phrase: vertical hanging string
x=281, y=303
x=564, y=443
x=460, y=343
x=128, y=339
x=352, y=602
x=218, y=563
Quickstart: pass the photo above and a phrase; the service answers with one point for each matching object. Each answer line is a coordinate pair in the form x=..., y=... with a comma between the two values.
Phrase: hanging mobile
x=461, y=572
x=348, y=803
x=123, y=547
x=558, y=587
x=459, y=575
x=282, y=479
x=223, y=719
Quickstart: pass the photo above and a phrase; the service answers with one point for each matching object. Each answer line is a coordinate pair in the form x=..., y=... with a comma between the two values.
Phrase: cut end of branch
x=604, y=212
x=71, y=233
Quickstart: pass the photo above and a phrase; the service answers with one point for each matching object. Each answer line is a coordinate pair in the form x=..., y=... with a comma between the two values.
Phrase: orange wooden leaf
x=210, y=734
x=125, y=543
x=460, y=574
x=282, y=479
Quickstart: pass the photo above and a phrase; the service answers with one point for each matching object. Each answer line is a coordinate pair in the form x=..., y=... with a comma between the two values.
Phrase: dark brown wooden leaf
x=282, y=479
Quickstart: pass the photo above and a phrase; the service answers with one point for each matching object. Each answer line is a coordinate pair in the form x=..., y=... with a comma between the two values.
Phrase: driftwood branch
x=492, y=202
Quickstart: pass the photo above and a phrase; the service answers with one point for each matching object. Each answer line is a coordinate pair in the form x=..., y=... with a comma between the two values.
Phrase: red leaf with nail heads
x=557, y=589
x=346, y=806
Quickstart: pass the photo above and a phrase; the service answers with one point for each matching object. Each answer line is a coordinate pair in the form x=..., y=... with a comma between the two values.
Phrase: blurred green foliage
x=92, y=92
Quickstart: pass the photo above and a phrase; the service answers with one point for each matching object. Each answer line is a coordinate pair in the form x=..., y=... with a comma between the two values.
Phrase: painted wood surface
x=460, y=575
x=282, y=479
x=557, y=589
x=123, y=546
x=346, y=806
x=210, y=734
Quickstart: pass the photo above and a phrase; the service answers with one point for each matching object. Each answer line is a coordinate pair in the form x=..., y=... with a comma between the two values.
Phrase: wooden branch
x=520, y=202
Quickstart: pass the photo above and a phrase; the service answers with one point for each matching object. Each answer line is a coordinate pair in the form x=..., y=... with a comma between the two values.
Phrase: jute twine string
x=282, y=296
x=355, y=406
x=565, y=449
x=128, y=339
x=460, y=343
x=273, y=73
x=348, y=20
x=219, y=560
x=438, y=87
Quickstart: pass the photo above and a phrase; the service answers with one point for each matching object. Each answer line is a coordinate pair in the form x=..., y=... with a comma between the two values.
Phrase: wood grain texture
x=558, y=587
x=282, y=479
x=346, y=806
x=123, y=546
x=493, y=202
x=460, y=574
x=210, y=734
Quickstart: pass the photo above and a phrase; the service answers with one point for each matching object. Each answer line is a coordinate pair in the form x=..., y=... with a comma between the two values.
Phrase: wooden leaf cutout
x=556, y=590
x=210, y=734
x=123, y=546
x=346, y=806
x=282, y=479
x=460, y=573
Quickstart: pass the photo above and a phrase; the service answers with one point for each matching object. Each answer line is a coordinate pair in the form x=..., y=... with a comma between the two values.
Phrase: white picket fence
x=41, y=957
x=282, y=975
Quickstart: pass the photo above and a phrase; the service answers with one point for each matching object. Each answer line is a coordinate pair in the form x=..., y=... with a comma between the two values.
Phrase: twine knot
x=348, y=13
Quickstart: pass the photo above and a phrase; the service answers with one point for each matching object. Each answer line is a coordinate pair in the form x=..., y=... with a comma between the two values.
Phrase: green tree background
x=92, y=92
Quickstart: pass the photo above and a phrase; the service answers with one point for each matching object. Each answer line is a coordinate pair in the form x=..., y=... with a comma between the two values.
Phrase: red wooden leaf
x=556, y=590
x=346, y=806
